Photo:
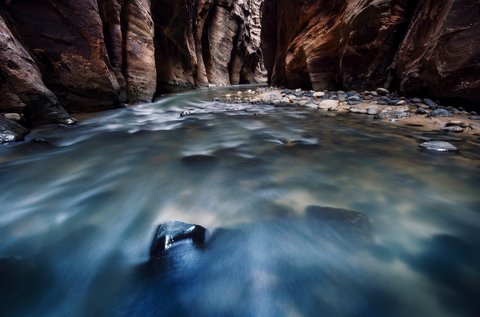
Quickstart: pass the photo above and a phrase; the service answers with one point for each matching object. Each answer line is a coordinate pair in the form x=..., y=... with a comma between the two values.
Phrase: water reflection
x=78, y=208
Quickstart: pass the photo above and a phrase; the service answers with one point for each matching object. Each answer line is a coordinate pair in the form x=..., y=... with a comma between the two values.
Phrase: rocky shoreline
x=380, y=104
x=419, y=113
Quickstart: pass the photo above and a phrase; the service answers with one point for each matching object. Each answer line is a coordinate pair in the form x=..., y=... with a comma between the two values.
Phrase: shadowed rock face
x=427, y=47
x=441, y=51
x=207, y=42
x=21, y=86
x=66, y=40
x=97, y=54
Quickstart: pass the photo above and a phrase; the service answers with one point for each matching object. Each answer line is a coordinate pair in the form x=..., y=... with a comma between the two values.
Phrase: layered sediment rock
x=441, y=51
x=97, y=54
x=67, y=43
x=207, y=42
x=428, y=47
x=21, y=86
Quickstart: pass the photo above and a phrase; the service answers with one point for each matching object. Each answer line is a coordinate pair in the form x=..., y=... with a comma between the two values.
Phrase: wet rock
x=440, y=113
x=417, y=100
x=174, y=233
x=474, y=118
x=11, y=131
x=382, y=91
x=18, y=277
x=185, y=113
x=342, y=220
x=453, y=128
x=393, y=102
x=439, y=146
x=318, y=94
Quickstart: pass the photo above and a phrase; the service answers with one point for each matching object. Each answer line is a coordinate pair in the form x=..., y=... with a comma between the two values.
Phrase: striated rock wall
x=201, y=42
x=427, y=47
x=93, y=55
x=441, y=51
x=21, y=86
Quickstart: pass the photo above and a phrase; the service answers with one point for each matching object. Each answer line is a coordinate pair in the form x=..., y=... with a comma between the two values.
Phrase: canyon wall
x=207, y=42
x=93, y=55
x=419, y=47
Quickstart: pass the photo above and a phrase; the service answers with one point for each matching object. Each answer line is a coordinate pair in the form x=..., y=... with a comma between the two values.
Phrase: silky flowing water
x=78, y=211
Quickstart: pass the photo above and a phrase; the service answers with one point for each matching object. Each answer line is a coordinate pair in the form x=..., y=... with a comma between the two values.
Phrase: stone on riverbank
x=439, y=146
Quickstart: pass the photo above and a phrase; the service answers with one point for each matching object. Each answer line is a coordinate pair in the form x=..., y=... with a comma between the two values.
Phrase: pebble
x=328, y=104
x=456, y=122
x=12, y=116
x=421, y=110
x=358, y=110
x=372, y=110
x=417, y=100
x=354, y=98
x=401, y=103
x=173, y=233
x=453, y=128
x=311, y=105
x=185, y=113
x=318, y=94
x=439, y=146
x=382, y=91
x=474, y=118
x=430, y=103
x=440, y=113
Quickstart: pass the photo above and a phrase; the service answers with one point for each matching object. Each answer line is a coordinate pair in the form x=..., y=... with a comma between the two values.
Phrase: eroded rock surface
x=426, y=47
x=21, y=86
x=207, y=42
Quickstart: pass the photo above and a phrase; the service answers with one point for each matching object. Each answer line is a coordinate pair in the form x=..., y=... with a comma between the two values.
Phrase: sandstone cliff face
x=21, y=86
x=441, y=51
x=97, y=54
x=416, y=46
x=207, y=42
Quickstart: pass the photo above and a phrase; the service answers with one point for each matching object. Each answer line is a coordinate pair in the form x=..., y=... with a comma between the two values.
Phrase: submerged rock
x=439, y=146
x=11, y=131
x=173, y=233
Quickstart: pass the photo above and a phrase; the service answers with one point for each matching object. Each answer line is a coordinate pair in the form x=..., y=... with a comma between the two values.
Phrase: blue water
x=78, y=211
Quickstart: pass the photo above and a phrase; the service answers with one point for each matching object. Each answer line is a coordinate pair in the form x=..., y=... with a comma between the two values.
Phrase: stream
x=310, y=214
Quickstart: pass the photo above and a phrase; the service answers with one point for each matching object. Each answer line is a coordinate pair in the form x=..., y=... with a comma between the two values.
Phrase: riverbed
x=277, y=187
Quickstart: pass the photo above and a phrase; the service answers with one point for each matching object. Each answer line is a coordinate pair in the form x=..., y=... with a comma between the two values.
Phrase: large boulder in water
x=173, y=233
